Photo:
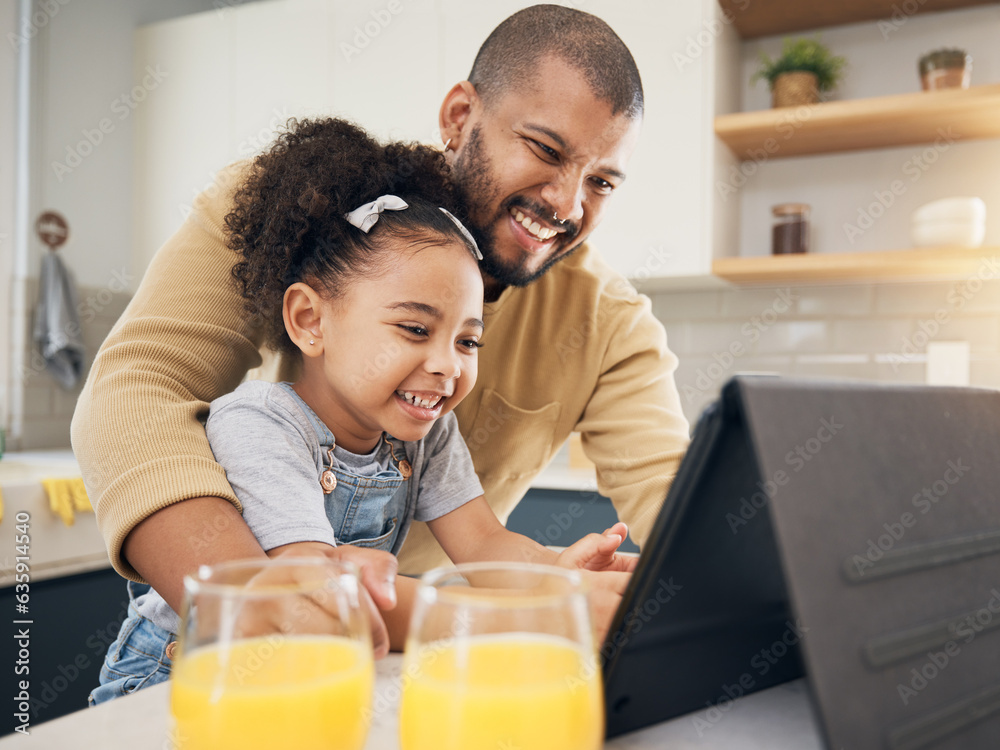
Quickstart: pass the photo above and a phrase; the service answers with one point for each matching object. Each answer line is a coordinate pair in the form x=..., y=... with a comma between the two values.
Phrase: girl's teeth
x=417, y=401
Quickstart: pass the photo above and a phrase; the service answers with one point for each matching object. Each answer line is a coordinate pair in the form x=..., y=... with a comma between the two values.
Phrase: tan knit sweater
x=576, y=350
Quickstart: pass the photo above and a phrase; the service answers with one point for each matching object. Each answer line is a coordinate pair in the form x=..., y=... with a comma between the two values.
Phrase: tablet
x=847, y=532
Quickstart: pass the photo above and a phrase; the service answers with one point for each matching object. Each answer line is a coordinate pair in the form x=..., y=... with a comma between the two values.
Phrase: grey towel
x=57, y=325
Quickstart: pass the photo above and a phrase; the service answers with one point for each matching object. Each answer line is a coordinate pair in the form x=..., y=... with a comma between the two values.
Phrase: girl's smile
x=424, y=406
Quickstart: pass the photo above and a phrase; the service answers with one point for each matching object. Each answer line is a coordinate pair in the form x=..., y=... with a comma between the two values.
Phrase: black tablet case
x=846, y=531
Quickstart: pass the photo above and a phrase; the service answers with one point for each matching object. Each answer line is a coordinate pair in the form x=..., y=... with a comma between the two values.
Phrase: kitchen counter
x=54, y=549
x=60, y=550
x=559, y=476
x=776, y=719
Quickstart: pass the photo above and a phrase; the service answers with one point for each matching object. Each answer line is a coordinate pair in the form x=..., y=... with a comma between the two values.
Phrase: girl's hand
x=598, y=552
x=606, y=572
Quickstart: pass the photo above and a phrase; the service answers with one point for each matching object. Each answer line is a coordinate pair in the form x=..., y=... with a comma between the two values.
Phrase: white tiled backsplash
x=48, y=407
x=873, y=332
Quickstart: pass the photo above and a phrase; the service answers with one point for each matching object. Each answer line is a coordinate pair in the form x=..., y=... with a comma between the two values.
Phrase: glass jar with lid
x=790, y=231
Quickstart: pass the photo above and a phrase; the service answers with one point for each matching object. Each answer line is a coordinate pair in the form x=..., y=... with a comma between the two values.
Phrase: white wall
x=235, y=77
x=859, y=331
x=881, y=62
x=872, y=332
x=85, y=76
x=85, y=64
x=81, y=58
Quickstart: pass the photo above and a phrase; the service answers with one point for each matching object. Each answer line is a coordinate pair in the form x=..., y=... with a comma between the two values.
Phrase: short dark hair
x=514, y=49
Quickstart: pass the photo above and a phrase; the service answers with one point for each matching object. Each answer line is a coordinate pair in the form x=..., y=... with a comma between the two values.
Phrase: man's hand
x=378, y=579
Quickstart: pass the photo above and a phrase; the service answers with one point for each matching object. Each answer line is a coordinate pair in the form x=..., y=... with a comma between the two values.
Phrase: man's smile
x=535, y=228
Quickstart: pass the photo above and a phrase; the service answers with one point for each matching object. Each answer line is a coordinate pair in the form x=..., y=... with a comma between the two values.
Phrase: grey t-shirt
x=274, y=450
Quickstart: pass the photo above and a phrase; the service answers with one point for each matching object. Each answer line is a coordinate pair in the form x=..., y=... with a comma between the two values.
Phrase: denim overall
x=138, y=656
x=367, y=511
x=363, y=512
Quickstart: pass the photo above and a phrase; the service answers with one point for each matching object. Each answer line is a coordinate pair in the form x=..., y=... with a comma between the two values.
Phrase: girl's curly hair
x=288, y=222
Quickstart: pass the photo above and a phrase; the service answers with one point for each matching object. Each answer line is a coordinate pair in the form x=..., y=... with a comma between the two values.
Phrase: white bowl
x=957, y=221
x=961, y=233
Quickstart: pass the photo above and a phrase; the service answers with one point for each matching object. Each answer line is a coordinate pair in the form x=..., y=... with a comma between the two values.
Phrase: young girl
x=352, y=262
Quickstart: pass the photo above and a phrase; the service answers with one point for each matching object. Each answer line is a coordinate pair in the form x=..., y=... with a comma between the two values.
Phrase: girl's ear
x=301, y=311
x=454, y=118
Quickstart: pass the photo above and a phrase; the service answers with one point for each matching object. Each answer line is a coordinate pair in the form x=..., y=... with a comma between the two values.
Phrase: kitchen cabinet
x=75, y=601
x=73, y=620
x=667, y=222
x=559, y=517
x=235, y=75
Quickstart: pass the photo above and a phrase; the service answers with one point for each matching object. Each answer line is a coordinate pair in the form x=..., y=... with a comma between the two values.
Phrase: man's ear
x=459, y=104
x=301, y=311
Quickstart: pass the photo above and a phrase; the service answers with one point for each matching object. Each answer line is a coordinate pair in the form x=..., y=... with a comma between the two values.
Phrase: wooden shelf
x=923, y=264
x=857, y=124
x=769, y=17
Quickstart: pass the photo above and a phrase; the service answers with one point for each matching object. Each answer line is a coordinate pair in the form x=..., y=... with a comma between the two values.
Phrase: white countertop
x=30, y=466
x=54, y=549
x=776, y=719
x=559, y=476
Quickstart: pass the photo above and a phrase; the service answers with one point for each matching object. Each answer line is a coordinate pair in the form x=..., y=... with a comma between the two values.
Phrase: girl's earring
x=447, y=145
x=311, y=342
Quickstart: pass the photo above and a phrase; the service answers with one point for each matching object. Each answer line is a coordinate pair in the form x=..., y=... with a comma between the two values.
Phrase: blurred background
x=128, y=107
x=115, y=114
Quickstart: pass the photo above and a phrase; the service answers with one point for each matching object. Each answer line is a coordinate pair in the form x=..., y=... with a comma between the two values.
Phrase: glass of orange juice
x=501, y=655
x=273, y=654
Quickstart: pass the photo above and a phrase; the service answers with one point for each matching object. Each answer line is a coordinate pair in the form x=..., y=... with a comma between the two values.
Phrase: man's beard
x=476, y=185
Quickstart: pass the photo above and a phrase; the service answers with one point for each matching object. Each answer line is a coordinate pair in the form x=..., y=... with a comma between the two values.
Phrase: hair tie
x=364, y=217
x=465, y=233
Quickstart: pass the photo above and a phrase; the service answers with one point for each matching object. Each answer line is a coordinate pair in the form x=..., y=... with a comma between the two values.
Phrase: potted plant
x=804, y=69
x=945, y=68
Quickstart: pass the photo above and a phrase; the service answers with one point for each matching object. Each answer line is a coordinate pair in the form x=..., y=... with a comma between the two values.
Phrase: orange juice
x=524, y=691
x=302, y=692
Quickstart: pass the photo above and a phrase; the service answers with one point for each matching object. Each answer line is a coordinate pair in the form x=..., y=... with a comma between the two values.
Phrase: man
x=539, y=138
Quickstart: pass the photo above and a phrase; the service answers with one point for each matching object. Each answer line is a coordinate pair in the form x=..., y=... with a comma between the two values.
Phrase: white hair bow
x=364, y=217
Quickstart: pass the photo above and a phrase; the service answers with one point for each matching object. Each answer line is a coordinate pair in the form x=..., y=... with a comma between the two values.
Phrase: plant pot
x=794, y=89
x=945, y=69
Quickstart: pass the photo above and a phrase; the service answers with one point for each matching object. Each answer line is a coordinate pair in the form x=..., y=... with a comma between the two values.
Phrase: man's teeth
x=533, y=227
x=426, y=403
